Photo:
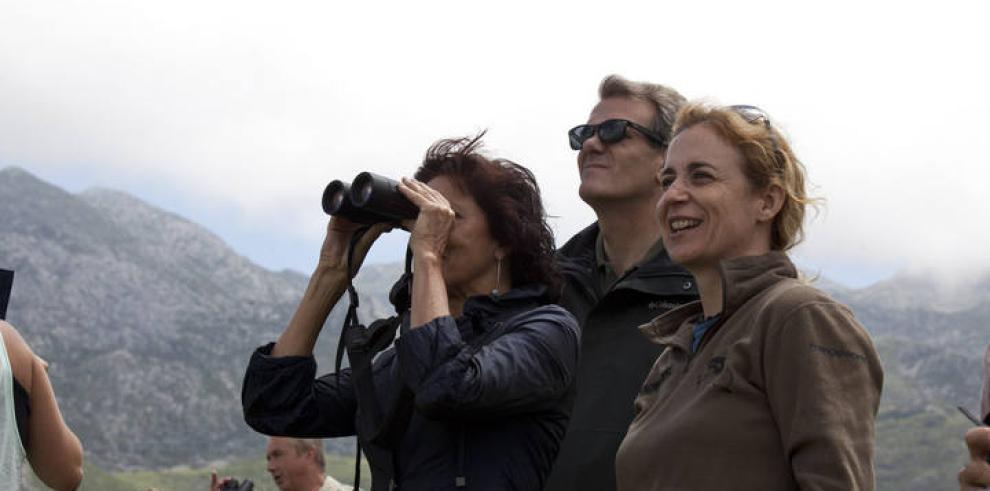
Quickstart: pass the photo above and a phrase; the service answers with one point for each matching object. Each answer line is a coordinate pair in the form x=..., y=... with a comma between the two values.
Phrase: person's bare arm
x=53, y=450
x=217, y=484
x=429, y=233
x=976, y=474
x=326, y=285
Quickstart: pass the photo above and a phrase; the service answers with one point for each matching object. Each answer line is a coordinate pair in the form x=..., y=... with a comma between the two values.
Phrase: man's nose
x=593, y=144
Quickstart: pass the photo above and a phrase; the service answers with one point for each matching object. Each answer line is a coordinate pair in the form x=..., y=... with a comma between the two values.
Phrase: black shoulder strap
x=6, y=285
x=362, y=344
x=351, y=319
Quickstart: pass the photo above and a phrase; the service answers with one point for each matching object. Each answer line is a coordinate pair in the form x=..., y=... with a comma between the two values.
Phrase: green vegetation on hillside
x=922, y=451
x=192, y=479
x=94, y=478
x=185, y=479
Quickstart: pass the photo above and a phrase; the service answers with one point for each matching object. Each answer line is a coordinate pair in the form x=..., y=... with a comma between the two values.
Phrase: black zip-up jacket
x=615, y=356
x=479, y=402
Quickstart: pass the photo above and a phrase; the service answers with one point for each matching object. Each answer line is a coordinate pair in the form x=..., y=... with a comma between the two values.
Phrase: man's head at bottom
x=296, y=464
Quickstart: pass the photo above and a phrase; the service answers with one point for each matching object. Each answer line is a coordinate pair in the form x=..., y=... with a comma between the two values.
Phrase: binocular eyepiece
x=369, y=199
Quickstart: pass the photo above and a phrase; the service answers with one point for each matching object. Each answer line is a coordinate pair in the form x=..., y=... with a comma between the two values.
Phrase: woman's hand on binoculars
x=431, y=228
x=333, y=254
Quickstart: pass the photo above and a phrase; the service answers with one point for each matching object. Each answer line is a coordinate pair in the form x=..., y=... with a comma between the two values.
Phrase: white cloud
x=248, y=108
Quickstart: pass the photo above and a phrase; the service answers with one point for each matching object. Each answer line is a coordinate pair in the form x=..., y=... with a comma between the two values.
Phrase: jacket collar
x=742, y=279
x=578, y=253
x=577, y=262
x=524, y=297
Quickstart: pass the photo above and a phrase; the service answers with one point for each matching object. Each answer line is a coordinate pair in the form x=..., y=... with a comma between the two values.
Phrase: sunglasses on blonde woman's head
x=755, y=115
x=751, y=114
x=609, y=132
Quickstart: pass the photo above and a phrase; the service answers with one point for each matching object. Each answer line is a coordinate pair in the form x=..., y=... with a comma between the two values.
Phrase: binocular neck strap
x=351, y=270
x=361, y=345
x=409, y=259
x=351, y=319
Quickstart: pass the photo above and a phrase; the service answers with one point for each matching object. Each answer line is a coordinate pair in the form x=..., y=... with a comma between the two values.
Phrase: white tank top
x=11, y=451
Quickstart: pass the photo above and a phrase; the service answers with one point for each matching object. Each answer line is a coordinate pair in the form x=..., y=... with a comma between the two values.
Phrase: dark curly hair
x=510, y=198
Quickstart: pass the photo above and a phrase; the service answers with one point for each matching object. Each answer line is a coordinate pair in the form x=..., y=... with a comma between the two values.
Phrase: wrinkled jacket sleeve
x=823, y=384
x=281, y=397
x=526, y=369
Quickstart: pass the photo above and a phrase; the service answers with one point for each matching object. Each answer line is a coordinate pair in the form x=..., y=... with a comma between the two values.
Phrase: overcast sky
x=236, y=114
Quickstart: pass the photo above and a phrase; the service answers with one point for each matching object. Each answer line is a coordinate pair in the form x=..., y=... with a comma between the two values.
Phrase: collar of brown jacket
x=742, y=279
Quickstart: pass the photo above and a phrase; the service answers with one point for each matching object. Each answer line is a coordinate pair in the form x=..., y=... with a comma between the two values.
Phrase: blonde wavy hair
x=769, y=160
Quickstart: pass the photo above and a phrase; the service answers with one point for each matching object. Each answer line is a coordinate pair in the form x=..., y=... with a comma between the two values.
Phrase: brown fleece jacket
x=782, y=393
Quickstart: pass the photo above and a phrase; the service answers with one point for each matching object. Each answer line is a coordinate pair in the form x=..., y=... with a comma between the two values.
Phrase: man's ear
x=771, y=201
x=661, y=158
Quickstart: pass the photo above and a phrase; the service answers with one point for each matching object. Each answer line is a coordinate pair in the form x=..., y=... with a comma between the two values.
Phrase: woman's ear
x=771, y=201
x=500, y=253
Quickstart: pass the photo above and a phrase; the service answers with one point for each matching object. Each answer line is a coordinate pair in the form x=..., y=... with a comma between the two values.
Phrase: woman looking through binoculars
x=476, y=390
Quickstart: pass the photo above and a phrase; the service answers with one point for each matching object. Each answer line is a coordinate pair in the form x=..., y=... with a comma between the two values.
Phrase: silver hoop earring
x=498, y=275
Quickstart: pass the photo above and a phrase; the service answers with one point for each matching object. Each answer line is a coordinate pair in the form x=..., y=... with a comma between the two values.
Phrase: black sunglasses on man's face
x=609, y=132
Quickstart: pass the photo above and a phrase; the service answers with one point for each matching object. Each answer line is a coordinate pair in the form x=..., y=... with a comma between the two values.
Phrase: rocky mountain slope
x=146, y=318
x=932, y=349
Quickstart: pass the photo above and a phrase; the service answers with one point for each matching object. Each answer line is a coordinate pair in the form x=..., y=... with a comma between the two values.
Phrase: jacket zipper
x=704, y=340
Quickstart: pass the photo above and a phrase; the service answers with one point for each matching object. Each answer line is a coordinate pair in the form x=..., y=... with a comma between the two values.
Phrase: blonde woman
x=766, y=382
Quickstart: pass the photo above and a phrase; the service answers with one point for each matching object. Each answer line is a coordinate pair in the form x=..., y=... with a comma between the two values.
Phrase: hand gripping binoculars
x=369, y=199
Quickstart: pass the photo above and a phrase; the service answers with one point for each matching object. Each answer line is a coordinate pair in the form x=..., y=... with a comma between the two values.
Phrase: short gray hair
x=301, y=444
x=665, y=100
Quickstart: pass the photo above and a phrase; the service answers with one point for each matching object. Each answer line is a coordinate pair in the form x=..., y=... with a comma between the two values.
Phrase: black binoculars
x=369, y=199
x=233, y=485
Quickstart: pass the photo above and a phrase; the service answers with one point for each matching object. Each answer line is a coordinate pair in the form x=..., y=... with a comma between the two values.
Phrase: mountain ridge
x=146, y=318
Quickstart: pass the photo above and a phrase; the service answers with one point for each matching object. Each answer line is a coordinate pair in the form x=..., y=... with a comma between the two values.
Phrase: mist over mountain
x=148, y=321
x=934, y=343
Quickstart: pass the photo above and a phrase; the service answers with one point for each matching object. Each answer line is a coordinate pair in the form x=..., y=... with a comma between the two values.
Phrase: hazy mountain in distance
x=146, y=318
x=934, y=290
x=932, y=350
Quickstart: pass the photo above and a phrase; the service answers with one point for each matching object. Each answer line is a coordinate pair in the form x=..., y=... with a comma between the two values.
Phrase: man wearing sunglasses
x=617, y=274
